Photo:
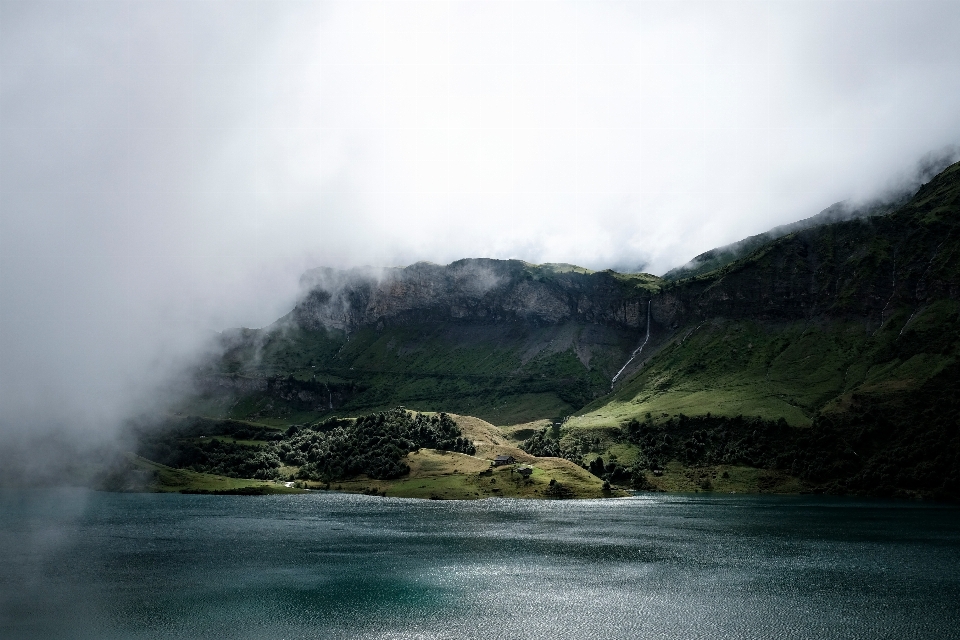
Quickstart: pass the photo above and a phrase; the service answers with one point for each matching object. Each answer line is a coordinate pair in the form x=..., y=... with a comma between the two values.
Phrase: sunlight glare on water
x=83, y=564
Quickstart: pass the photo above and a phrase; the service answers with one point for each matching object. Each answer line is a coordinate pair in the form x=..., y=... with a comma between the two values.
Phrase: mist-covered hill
x=890, y=201
x=502, y=339
x=852, y=326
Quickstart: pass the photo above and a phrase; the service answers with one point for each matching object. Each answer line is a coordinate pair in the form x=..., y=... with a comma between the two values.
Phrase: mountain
x=849, y=332
x=807, y=319
x=502, y=339
x=843, y=327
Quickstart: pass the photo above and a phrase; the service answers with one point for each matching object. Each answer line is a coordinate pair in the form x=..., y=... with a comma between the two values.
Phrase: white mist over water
x=168, y=169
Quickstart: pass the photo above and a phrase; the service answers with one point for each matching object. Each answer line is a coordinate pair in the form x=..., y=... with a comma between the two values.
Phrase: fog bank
x=169, y=169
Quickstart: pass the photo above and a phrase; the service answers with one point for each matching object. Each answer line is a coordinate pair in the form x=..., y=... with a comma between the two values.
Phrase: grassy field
x=443, y=475
x=168, y=480
x=455, y=476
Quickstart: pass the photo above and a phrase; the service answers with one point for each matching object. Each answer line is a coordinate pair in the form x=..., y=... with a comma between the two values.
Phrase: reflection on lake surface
x=84, y=564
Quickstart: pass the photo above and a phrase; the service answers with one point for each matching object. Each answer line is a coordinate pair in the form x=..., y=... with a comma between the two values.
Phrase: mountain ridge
x=819, y=328
x=837, y=272
x=926, y=170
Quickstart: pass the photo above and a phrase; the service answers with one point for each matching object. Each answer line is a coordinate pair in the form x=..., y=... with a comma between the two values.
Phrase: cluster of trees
x=887, y=445
x=709, y=440
x=213, y=455
x=375, y=445
x=335, y=449
x=542, y=445
x=612, y=471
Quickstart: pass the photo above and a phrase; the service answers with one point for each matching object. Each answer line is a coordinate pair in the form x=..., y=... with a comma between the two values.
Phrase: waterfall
x=636, y=351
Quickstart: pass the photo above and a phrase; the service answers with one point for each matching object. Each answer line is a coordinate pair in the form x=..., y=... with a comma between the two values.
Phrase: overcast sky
x=169, y=168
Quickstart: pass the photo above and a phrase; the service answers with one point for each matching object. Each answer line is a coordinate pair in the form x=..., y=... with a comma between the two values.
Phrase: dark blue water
x=83, y=564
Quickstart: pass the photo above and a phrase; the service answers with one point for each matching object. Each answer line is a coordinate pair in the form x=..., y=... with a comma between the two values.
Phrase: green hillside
x=849, y=332
x=827, y=356
x=793, y=371
x=865, y=306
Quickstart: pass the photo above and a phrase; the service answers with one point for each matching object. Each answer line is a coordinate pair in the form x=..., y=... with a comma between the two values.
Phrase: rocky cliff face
x=478, y=290
x=854, y=268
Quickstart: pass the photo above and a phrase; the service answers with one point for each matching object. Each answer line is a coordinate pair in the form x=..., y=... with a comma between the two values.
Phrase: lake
x=77, y=563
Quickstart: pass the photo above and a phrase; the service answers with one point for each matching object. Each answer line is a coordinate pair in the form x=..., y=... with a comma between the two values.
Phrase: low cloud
x=169, y=169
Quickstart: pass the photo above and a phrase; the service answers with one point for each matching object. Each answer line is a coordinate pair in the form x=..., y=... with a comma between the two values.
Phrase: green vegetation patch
x=678, y=478
x=449, y=476
x=793, y=371
x=165, y=479
x=374, y=445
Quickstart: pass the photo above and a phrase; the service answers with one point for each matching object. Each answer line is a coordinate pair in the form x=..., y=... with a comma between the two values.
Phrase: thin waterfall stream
x=636, y=351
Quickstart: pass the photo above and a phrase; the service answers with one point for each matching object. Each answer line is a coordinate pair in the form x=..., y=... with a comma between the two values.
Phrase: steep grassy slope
x=507, y=373
x=861, y=269
x=865, y=306
x=926, y=169
x=793, y=370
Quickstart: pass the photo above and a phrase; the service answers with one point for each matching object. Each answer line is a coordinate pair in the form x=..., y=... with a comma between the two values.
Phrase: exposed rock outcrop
x=483, y=290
